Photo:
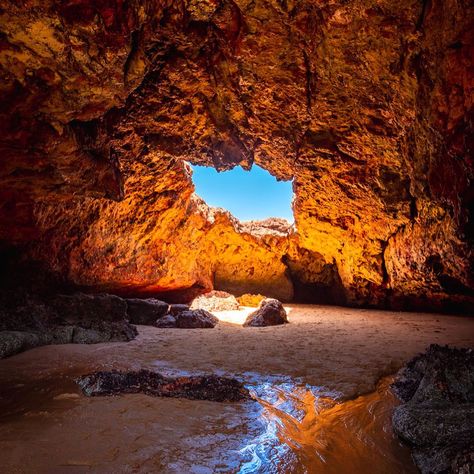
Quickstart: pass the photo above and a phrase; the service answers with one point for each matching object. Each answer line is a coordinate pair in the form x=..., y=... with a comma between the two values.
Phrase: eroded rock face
x=366, y=106
x=437, y=416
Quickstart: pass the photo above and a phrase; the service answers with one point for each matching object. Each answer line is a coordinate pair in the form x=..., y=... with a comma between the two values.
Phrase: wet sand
x=325, y=353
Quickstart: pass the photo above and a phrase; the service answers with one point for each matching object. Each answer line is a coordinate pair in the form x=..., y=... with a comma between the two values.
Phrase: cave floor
x=325, y=357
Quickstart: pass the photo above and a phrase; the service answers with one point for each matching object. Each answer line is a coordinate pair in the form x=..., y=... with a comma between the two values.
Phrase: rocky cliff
x=366, y=105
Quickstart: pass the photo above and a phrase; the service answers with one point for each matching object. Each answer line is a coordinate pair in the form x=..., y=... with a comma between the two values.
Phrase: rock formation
x=366, y=106
x=437, y=416
x=204, y=387
x=270, y=312
x=64, y=319
x=145, y=311
x=215, y=301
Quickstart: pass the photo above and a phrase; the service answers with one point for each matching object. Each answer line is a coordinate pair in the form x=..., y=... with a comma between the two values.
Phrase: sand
x=46, y=425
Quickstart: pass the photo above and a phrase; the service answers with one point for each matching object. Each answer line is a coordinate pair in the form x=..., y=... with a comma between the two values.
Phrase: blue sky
x=248, y=195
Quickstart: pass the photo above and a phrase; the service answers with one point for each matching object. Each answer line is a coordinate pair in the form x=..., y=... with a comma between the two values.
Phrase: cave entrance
x=247, y=195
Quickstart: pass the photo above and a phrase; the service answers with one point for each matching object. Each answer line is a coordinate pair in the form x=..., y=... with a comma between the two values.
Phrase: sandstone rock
x=197, y=318
x=437, y=418
x=269, y=313
x=215, y=301
x=101, y=104
x=167, y=321
x=210, y=387
x=250, y=300
x=145, y=311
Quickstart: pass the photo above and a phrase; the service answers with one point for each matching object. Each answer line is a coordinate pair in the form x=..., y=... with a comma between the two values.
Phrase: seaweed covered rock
x=437, y=416
x=207, y=387
x=270, y=313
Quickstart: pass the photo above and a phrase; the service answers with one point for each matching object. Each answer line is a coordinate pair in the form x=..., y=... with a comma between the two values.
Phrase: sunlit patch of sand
x=238, y=316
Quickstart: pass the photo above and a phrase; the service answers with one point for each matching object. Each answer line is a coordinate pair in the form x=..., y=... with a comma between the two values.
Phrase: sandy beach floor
x=46, y=425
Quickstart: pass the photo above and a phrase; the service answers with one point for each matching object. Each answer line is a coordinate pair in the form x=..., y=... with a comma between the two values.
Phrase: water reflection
x=289, y=427
x=306, y=430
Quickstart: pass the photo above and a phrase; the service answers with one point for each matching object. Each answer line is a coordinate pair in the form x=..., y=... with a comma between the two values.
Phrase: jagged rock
x=145, y=311
x=464, y=462
x=197, y=318
x=208, y=387
x=101, y=111
x=167, y=321
x=437, y=418
x=215, y=301
x=269, y=313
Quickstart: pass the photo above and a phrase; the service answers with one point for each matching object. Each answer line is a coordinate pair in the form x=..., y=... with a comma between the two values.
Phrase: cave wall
x=367, y=105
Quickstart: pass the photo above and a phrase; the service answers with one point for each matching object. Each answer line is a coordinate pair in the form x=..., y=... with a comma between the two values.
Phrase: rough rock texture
x=366, y=105
x=167, y=321
x=145, y=311
x=206, y=387
x=250, y=300
x=175, y=309
x=196, y=318
x=77, y=318
x=269, y=313
x=437, y=416
x=215, y=301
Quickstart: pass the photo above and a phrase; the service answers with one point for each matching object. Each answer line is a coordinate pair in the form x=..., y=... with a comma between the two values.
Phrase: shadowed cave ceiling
x=366, y=105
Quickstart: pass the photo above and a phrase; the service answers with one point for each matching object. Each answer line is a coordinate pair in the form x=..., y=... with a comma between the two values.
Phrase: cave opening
x=249, y=195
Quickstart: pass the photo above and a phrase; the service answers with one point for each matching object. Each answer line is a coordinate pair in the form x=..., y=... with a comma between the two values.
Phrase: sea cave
x=236, y=236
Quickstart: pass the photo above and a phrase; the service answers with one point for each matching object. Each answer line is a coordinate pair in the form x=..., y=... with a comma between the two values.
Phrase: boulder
x=167, y=321
x=206, y=387
x=175, y=309
x=269, y=313
x=62, y=319
x=437, y=416
x=215, y=301
x=145, y=311
x=197, y=318
x=80, y=307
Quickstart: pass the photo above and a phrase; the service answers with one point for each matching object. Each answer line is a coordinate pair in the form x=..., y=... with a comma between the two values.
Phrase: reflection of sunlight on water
x=291, y=429
x=306, y=430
